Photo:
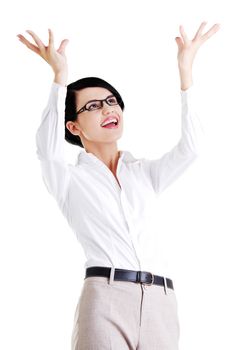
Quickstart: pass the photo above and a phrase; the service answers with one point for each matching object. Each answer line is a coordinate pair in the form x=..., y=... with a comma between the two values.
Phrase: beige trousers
x=120, y=315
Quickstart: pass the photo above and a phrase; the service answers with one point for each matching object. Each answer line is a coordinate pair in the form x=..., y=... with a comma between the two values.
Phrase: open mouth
x=111, y=125
x=111, y=122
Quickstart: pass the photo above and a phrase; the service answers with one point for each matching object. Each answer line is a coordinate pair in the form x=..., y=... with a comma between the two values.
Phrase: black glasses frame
x=84, y=108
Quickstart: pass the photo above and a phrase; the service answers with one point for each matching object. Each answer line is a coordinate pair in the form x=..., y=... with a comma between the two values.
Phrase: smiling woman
x=79, y=99
x=109, y=213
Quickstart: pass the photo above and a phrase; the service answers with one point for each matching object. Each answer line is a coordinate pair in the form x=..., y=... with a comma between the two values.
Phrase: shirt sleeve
x=50, y=138
x=164, y=171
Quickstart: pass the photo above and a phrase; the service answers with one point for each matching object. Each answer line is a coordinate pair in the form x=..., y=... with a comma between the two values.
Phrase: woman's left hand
x=187, y=49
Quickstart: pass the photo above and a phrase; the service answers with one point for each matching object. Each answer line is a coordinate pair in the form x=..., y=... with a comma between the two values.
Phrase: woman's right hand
x=55, y=58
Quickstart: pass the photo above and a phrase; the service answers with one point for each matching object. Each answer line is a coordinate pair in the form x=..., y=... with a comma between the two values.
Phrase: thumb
x=179, y=42
x=63, y=45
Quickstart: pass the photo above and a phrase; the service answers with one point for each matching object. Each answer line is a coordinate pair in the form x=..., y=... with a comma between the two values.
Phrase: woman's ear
x=73, y=128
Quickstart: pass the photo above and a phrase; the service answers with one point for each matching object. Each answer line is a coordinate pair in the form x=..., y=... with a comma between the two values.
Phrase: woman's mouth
x=110, y=123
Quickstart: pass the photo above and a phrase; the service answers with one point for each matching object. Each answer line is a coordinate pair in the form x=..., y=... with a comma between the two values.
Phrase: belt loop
x=165, y=284
x=111, y=278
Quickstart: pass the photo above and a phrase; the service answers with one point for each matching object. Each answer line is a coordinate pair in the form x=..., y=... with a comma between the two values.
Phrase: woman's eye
x=93, y=106
x=112, y=100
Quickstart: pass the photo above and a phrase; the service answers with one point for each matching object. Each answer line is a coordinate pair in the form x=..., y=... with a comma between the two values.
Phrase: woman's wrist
x=185, y=78
x=61, y=78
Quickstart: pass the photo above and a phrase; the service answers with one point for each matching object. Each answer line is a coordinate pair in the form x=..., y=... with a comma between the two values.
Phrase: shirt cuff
x=187, y=90
x=57, y=93
x=54, y=84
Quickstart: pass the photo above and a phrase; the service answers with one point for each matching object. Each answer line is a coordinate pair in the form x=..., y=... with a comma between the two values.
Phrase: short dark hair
x=71, y=105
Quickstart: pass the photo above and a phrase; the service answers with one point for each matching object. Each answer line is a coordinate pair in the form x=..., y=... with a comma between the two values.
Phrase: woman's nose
x=107, y=109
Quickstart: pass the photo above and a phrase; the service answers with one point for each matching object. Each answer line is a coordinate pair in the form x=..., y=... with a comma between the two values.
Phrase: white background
x=132, y=45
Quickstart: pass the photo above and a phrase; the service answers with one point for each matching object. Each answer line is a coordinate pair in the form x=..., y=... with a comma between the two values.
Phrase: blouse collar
x=85, y=157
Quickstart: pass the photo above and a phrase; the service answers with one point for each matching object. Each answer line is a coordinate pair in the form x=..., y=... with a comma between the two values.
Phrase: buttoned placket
x=124, y=207
x=130, y=227
x=127, y=216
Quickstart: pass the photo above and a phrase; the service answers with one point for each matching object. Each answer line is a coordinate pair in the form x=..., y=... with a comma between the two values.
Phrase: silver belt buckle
x=152, y=280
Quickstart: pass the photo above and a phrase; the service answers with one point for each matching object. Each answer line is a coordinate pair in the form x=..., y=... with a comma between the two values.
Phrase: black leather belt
x=143, y=277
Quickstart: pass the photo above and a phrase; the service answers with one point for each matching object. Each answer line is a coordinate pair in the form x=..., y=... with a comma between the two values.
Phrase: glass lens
x=93, y=105
x=112, y=100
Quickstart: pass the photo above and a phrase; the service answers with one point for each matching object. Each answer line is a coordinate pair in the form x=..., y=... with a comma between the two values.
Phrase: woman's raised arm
x=50, y=136
x=164, y=171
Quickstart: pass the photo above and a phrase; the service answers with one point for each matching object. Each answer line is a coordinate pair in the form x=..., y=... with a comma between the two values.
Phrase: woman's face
x=88, y=124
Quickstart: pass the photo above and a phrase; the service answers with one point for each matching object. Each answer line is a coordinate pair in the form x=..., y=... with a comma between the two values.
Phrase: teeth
x=109, y=121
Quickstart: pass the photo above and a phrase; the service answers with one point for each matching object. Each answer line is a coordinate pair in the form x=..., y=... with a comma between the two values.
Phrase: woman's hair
x=71, y=102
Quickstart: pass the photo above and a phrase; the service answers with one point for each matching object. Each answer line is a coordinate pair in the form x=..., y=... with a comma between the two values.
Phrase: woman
x=127, y=301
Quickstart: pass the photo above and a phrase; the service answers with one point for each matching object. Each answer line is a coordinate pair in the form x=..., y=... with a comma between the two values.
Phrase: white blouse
x=112, y=223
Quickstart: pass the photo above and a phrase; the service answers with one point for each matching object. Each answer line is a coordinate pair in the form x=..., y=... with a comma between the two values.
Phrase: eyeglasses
x=92, y=105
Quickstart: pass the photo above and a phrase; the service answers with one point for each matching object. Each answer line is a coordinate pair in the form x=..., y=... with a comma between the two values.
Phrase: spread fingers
x=37, y=40
x=27, y=43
